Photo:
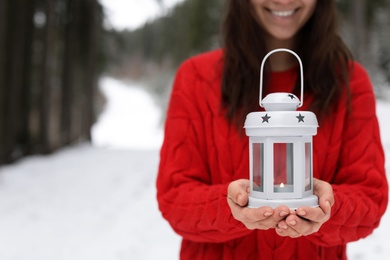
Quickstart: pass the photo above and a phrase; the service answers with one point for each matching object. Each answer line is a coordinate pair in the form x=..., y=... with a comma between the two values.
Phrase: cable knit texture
x=202, y=154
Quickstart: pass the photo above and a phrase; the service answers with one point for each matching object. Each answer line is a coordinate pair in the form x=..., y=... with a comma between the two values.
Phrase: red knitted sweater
x=202, y=154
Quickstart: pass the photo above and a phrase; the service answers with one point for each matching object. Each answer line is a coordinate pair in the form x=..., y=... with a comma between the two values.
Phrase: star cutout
x=265, y=118
x=300, y=118
x=291, y=96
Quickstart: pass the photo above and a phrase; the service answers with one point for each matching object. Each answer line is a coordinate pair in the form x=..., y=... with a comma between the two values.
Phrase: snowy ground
x=98, y=202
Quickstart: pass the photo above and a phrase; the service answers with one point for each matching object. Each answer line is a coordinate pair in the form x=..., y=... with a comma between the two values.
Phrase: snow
x=131, y=118
x=131, y=14
x=97, y=202
x=83, y=203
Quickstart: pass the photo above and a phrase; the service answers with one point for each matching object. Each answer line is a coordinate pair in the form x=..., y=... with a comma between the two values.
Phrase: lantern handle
x=262, y=68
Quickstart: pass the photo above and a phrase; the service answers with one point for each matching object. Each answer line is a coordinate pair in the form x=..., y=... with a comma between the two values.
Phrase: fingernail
x=267, y=214
x=283, y=213
x=292, y=223
x=282, y=226
x=302, y=213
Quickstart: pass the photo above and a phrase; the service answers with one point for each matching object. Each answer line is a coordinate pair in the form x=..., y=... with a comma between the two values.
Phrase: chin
x=283, y=36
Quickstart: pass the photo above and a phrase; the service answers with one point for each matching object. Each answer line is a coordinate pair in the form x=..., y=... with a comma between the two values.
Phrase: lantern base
x=311, y=201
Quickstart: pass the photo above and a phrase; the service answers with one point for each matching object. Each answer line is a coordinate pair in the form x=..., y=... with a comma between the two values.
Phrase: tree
x=49, y=51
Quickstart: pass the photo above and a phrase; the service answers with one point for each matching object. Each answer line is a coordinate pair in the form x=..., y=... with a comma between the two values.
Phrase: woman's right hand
x=253, y=218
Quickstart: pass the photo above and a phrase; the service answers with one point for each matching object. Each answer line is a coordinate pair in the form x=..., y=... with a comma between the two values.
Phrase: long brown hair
x=324, y=55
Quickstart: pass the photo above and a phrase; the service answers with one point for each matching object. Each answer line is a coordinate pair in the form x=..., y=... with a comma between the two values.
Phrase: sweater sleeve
x=196, y=209
x=359, y=184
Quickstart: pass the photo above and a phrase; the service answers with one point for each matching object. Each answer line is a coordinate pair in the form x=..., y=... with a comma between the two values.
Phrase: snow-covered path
x=83, y=203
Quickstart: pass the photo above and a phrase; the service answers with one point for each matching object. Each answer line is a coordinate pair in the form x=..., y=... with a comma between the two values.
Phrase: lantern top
x=281, y=123
x=281, y=102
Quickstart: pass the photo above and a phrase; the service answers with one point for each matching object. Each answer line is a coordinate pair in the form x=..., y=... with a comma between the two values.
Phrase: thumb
x=325, y=195
x=238, y=191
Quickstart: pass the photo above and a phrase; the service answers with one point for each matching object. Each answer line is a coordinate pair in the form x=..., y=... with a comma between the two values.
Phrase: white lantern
x=281, y=150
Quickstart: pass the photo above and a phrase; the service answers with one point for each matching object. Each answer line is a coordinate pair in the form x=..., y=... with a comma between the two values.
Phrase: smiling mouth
x=283, y=13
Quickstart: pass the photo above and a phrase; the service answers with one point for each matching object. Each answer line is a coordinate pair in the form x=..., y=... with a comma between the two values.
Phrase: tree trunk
x=91, y=76
x=26, y=89
x=45, y=93
x=69, y=71
x=15, y=109
x=3, y=62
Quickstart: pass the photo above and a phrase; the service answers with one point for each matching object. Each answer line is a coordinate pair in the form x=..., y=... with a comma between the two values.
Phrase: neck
x=281, y=61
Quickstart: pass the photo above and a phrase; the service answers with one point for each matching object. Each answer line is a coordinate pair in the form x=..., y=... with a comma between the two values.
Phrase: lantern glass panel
x=258, y=167
x=307, y=166
x=283, y=167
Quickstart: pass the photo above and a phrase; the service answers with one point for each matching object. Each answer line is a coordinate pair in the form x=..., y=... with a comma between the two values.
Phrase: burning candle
x=283, y=188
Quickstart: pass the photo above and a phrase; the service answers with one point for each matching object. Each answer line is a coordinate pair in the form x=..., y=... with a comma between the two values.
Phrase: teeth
x=283, y=13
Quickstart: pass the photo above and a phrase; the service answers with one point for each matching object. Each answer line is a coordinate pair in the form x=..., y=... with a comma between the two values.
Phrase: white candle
x=283, y=188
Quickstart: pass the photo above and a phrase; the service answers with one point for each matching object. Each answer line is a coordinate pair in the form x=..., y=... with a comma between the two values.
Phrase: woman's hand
x=253, y=218
x=307, y=220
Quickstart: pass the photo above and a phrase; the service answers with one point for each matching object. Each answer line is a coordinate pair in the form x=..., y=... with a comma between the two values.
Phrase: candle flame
x=281, y=185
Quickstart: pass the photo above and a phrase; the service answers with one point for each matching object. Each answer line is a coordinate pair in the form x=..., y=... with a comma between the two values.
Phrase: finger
x=272, y=220
x=236, y=209
x=282, y=225
x=280, y=213
x=302, y=226
x=238, y=191
x=253, y=220
x=324, y=191
x=249, y=215
x=288, y=233
x=242, y=199
x=312, y=214
x=284, y=230
x=326, y=207
x=256, y=215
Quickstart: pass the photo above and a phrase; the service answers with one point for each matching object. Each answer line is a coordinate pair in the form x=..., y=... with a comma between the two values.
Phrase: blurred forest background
x=53, y=52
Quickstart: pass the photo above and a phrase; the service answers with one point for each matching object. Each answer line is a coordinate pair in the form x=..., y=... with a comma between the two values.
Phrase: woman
x=202, y=182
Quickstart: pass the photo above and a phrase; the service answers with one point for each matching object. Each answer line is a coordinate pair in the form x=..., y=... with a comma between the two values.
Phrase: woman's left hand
x=306, y=220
